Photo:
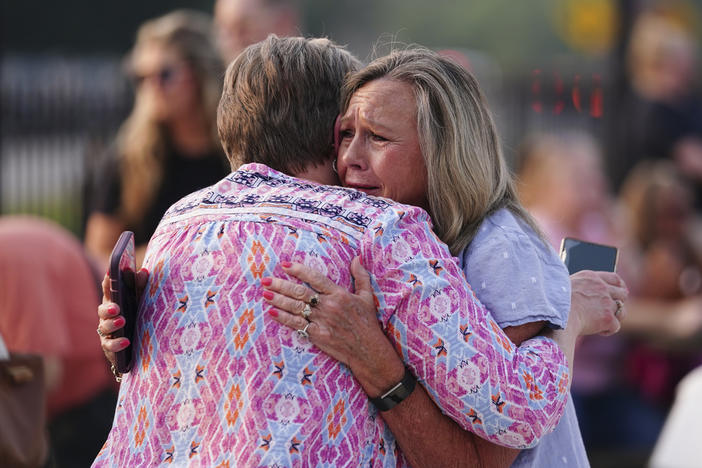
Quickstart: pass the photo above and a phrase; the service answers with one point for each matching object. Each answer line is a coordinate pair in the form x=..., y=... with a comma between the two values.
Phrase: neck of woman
x=191, y=135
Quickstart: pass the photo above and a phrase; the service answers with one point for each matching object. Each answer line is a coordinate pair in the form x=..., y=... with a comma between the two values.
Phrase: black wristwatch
x=397, y=393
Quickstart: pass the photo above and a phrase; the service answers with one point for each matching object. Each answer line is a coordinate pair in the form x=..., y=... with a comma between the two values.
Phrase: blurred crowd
x=643, y=195
x=641, y=192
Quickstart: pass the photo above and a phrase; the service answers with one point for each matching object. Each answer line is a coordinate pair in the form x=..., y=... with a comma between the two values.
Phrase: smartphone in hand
x=123, y=293
x=581, y=255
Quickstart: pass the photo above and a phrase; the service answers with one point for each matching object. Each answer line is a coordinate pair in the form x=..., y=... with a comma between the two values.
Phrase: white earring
x=334, y=166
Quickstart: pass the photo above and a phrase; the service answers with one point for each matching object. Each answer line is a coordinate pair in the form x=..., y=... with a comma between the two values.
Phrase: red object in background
x=558, y=86
x=596, y=101
x=576, y=94
x=596, y=97
x=536, y=104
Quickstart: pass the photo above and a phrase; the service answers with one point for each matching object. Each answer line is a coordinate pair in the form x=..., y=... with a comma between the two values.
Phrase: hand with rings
x=597, y=301
x=341, y=323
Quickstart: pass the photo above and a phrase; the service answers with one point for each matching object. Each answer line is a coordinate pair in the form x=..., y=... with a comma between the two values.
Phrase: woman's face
x=164, y=82
x=379, y=150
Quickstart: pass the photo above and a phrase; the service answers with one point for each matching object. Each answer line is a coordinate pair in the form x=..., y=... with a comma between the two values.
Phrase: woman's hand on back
x=110, y=318
x=342, y=324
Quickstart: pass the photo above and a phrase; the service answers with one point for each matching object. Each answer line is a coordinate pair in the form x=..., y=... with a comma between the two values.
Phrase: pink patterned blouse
x=217, y=382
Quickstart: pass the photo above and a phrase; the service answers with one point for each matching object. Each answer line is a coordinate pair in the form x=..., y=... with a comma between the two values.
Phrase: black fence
x=58, y=115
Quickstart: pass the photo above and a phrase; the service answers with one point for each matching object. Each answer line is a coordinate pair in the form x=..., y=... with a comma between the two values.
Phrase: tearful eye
x=377, y=137
x=344, y=134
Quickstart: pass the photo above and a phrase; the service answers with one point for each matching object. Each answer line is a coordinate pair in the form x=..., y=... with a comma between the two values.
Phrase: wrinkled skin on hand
x=593, y=301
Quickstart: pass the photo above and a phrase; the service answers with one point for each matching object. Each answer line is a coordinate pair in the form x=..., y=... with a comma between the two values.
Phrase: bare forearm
x=566, y=341
x=428, y=438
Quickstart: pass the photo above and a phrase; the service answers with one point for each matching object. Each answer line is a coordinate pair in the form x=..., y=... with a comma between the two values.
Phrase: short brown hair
x=279, y=103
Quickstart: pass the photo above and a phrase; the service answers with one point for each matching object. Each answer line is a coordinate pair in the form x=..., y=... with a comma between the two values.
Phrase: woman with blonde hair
x=415, y=127
x=168, y=146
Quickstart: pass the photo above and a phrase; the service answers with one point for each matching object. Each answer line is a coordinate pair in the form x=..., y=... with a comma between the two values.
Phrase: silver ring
x=314, y=300
x=306, y=311
x=99, y=332
x=620, y=306
x=303, y=331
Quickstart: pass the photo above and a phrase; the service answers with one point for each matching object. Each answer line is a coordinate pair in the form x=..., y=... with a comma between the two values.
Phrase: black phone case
x=123, y=293
x=582, y=255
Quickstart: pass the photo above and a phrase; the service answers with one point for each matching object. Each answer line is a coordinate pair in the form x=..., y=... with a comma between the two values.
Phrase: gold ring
x=99, y=332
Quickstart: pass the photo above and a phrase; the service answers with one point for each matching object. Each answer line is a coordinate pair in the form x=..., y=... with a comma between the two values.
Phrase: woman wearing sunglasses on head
x=168, y=146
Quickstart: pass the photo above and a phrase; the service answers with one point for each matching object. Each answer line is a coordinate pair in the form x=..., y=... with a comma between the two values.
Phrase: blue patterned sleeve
x=508, y=395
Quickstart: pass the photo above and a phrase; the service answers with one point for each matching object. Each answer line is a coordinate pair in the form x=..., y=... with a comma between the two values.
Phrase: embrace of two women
x=386, y=356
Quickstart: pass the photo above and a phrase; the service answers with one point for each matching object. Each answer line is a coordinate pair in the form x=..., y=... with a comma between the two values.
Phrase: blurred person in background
x=168, y=146
x=47, y=304
x=240, y=23
x=664, y=230
x=562, y=183
x=666, y=254
x=663, y=251
x=660, y=111
x=678, y=445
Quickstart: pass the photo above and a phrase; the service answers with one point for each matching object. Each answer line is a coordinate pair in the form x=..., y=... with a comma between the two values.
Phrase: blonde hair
x=468, y=177
x=141, y=141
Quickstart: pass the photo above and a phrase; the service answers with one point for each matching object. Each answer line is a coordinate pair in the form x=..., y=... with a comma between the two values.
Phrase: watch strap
x=397, y=393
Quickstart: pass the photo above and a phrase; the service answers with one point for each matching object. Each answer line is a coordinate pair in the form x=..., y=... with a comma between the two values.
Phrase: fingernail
x=119, y=321
x=112, y=310
x=285, y=264
x=266, y=281
x=273, y=312
x=144, y=270
x=124, y=342
x=267, y=295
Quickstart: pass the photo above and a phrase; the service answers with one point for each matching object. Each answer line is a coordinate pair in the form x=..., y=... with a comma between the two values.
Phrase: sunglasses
x=164, y=77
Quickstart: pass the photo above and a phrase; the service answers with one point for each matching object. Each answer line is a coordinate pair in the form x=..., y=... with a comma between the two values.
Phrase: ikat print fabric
x=217, y=382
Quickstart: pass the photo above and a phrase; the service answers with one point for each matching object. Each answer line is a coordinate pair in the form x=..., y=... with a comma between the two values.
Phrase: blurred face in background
x=671, y=210
x=379, y=151
x=165, y=84
x=586, y=185
x=662, y=58
x=240, y=23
